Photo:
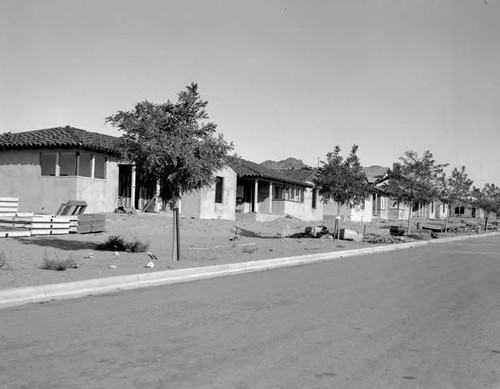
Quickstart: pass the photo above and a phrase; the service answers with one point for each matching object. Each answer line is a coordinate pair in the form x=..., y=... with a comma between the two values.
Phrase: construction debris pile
x=69, y=218
x=377, y=238
x=321, y=232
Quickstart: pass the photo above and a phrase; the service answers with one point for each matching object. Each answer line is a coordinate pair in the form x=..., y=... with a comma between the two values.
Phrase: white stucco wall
x=101, y=195
x=301, y=210
x=202, y=203
x=20, y=176
x=357, y=214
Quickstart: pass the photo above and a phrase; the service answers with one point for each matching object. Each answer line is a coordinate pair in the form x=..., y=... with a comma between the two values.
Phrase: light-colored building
x=269, y=194
x=215, y=202
x=45, y=168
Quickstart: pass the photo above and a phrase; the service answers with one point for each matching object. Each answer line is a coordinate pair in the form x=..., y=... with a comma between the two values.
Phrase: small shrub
x=113, y=243
x=58, y=264
x=4, y=264
x=138, y=247
x=117, y=243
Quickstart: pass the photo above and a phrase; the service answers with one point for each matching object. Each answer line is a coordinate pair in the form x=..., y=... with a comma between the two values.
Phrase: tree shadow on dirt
x=58, y=243
x=251, y=234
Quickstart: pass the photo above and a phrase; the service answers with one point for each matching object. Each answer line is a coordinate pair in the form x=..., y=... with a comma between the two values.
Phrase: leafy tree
x=488, y=199
x=172, y=144
x=455, y=189
x=343, y=180
x=414, y=180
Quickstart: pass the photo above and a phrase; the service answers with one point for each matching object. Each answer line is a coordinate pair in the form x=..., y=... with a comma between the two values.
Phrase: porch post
x=132, y=191
x=376, y=205
x=58, y=165
x=92, y=166
x=157, y=197
x=77, y=164
x=255, y=195
x=270, y=197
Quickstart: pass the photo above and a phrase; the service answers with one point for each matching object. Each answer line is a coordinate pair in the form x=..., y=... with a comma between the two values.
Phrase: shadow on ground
x=58, y=243
x=252, y=234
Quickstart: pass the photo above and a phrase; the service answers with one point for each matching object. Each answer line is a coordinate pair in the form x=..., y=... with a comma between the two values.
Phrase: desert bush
x=59, y=264
x=4, y=264
x=117, y=243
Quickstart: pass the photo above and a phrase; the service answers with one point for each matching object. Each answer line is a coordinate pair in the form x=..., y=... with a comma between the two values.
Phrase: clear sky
x=282, y=78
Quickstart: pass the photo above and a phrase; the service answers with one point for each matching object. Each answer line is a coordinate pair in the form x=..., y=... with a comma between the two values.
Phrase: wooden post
x=255, y=196
x=175, y=231
x=177, y=234
x=174, y=237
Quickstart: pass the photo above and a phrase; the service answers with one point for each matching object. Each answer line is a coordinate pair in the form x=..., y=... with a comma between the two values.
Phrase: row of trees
x=416, y=179
x=174, y=144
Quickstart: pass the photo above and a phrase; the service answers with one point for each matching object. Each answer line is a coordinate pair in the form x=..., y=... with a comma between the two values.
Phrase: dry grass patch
x=59, y=264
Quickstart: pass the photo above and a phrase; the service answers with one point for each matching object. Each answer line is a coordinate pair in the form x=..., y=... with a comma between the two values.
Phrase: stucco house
x=45, y=168
x=269, y=194
x=245, y=187
x=215, y=202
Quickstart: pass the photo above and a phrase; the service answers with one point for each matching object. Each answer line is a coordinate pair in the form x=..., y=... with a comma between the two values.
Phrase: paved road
x=428, y=317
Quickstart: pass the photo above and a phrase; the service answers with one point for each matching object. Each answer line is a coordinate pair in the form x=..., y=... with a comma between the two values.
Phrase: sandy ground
x=203, y=243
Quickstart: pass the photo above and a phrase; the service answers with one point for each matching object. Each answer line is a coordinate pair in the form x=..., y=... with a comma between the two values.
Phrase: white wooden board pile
x=15, y=224
x=8, y=206
x=36, y=225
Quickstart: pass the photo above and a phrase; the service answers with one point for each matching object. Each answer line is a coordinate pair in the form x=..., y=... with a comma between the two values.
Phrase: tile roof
x=60, y=137
x=302, y=174
x=247, y=169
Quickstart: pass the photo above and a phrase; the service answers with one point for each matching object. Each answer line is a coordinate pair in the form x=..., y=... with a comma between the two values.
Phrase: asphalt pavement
x=428, y=317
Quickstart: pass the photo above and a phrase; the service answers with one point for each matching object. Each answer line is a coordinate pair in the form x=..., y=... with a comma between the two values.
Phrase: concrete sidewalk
x=36, y=294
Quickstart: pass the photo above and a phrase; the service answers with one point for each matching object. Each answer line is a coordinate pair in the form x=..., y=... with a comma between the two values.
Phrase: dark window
x=99, y=167
x=219, y=189
x=48, y=163
x=67, y=163
x=85, y=165
x=278, y=192
x=314, y=198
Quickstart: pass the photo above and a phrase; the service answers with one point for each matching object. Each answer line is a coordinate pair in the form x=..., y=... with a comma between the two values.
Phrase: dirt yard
x=203, y=243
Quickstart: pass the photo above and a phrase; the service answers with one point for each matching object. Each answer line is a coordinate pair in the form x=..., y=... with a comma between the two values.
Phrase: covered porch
x=271, y=199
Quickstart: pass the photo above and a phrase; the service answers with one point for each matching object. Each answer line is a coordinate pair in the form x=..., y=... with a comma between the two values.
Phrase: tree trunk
x=409, y=218
x=447, y=219
x=486, y=222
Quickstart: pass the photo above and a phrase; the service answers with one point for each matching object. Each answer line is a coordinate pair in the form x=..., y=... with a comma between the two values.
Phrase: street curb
x=36, y=294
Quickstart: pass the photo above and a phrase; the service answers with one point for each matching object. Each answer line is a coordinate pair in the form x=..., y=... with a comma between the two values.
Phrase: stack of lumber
x=73, y=209
x=92, y=222
x=68, y=218
x=35, y=225
x=9, y=207
x=48, y=225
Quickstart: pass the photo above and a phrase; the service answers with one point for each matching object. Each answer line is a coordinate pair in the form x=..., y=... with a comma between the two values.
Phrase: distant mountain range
x=289, y=163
